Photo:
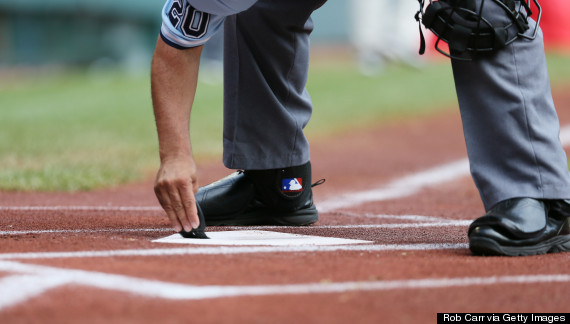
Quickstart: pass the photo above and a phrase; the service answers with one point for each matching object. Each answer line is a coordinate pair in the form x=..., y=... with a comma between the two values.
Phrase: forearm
x=174, y=76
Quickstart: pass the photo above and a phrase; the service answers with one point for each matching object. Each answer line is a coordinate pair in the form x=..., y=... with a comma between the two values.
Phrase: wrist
x=175, y=155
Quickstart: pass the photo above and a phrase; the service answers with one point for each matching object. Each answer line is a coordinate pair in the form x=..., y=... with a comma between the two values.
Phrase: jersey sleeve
x=184, y=26
x=222, y=7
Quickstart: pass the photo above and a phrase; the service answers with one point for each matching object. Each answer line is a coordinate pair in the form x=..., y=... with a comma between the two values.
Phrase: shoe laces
x=318, y=183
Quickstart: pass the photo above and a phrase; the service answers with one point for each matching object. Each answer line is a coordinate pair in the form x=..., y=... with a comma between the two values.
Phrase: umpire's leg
x=266, y=105
x=510, y=124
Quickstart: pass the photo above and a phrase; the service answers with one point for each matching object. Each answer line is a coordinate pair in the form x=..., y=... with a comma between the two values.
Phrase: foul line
x=19, y=288
x=410, y=185
x=441, y=223
x=33, y=280
x=415, y=218
x=50, y=277
x=227, y=250
x=82, y=208
x=403, y=187
x=449, y=223
x=85, y=231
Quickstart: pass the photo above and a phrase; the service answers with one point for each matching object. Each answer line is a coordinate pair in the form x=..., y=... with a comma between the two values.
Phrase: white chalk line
x=448, y=223
x=41, y=280
x=230, y=250
x=82, y=208
x=442, y=223
x=19, y=288
x=85, y=231
x=416, y=218
x=412, y=184
x=54, y=277
x=400, y=188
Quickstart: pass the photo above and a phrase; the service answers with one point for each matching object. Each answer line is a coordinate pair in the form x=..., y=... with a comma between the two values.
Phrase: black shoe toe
x=521, y=226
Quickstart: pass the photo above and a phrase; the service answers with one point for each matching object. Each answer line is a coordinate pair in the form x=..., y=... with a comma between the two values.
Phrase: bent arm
x=174, y=76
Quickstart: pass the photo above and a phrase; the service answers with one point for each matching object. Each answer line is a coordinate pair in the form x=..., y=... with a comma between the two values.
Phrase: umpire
x=511, y=127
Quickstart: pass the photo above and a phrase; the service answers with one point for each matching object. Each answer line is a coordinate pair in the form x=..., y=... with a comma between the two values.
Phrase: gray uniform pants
x=266, y=105
x=510, y=123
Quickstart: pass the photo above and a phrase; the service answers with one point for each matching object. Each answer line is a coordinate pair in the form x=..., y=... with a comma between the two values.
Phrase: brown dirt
x=357, y=161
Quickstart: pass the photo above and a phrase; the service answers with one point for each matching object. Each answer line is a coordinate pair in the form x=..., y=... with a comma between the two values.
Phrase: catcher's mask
x=462, y=25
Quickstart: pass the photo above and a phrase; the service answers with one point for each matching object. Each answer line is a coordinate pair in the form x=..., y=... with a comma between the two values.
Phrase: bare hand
x=175, y=185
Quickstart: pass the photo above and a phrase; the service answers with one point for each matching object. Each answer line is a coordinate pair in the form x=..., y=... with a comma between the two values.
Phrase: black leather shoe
x=259, y=198
x=522, y=226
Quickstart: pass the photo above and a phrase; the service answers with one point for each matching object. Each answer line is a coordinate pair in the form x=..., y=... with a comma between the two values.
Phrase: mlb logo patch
x=292, y=185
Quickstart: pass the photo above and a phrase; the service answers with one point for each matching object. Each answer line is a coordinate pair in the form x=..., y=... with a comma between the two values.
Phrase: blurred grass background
x=79, y=130
x=75, y=106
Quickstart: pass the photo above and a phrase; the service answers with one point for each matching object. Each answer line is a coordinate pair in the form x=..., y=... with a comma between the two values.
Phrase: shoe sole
x=263, y=216
x=485, y=246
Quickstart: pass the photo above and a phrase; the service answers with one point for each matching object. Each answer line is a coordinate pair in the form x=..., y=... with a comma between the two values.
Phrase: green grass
x=344, y=98
x=80, y=131
x=74, y=131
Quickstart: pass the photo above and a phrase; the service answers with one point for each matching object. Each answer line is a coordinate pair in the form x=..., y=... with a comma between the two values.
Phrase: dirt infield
x=89, y=257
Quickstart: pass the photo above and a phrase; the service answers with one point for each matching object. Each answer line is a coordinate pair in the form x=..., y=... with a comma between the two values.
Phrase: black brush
x=197, y=233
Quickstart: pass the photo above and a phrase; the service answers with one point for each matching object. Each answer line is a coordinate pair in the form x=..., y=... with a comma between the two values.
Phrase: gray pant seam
x=288, y=97
x=237, y=110
x=525, y=110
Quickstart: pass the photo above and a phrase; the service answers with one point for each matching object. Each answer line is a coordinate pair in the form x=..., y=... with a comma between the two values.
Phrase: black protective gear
x=463, y=26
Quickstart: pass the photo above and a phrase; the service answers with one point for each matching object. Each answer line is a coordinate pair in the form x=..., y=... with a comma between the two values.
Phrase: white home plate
x=259, y=238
